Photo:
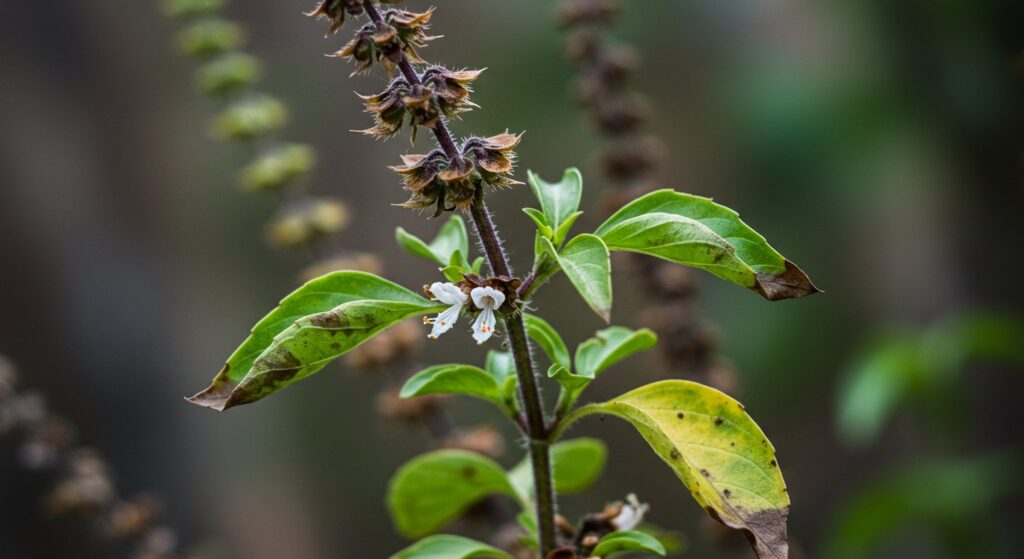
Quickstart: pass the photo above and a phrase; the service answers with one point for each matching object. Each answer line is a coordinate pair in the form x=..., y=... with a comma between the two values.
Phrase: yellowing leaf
x=718, y=452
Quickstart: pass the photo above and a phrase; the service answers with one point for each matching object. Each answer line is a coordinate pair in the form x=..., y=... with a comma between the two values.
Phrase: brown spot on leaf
x=719, y=420
x=468, y=473
x=674, y=454
x=790, y=284
x=680, y=415
x=705, y=473
x=772, y=463
x=727, y=493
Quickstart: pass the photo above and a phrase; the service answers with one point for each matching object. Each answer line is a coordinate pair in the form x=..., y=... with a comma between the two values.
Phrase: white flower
x=449, y=294
x=488, y=300
x=631, y=514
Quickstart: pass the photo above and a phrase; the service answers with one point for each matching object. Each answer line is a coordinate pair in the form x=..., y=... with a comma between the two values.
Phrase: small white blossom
x=631, y=515
x=449, y=294
x=488, y=300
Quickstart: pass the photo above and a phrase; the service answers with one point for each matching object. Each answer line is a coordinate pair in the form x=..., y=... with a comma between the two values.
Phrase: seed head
x=494, y=157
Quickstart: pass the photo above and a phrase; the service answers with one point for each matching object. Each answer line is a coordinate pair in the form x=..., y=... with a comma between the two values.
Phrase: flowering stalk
x=85, y=485
x=529, y=392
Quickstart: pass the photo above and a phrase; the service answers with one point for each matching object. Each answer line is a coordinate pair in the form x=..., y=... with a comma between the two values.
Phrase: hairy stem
x=529, y=393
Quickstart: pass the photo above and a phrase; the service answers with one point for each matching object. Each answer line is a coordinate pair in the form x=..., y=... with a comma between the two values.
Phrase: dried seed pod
x=335, y=10
x=494, y=157
x=398, y=35
x=451, y=88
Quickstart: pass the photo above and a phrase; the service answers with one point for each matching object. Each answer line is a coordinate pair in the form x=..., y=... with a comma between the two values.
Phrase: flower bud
x=307, y=221
x=228, y=73
x=278, y=167
x=250, y=118
x=211, y=36
x=191, y=8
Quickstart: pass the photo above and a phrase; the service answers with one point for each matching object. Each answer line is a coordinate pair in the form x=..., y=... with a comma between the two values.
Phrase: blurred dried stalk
x=629, y=162
x=85, y=485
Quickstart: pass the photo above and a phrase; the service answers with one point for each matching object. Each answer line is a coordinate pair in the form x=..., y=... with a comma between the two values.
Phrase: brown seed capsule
x=457, y=177
x=451, y=88
x=494, y=157
x=335, y=10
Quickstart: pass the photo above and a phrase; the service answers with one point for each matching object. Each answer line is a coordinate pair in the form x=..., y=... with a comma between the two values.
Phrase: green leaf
x=925, y=498
x=875, y=385
x=576, y=463
x=559, y=201
x=717, y=451
x=587, y=264
x=563, y=230
x=455, y=379
x=629, y=540
x=435, y=488
x=444, y=546
x=609, y=346
x=501, y=365
x=316, y=323
x=450, y=238
x=548, y=340
x=695, y=231
x=540, y=221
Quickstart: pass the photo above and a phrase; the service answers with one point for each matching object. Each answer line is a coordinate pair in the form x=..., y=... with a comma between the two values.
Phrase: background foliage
x=877, y=142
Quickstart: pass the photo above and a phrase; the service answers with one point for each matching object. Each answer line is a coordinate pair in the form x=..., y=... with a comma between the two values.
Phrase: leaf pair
x=682, y=228
x=433, y=489
x=606, y=348
x=311, y=327
x=497, y=383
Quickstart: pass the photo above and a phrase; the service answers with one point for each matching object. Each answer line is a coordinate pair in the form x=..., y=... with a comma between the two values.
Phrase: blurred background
x=876, y=143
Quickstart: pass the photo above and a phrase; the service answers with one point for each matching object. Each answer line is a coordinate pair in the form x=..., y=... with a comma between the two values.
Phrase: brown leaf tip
x=793, y=283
